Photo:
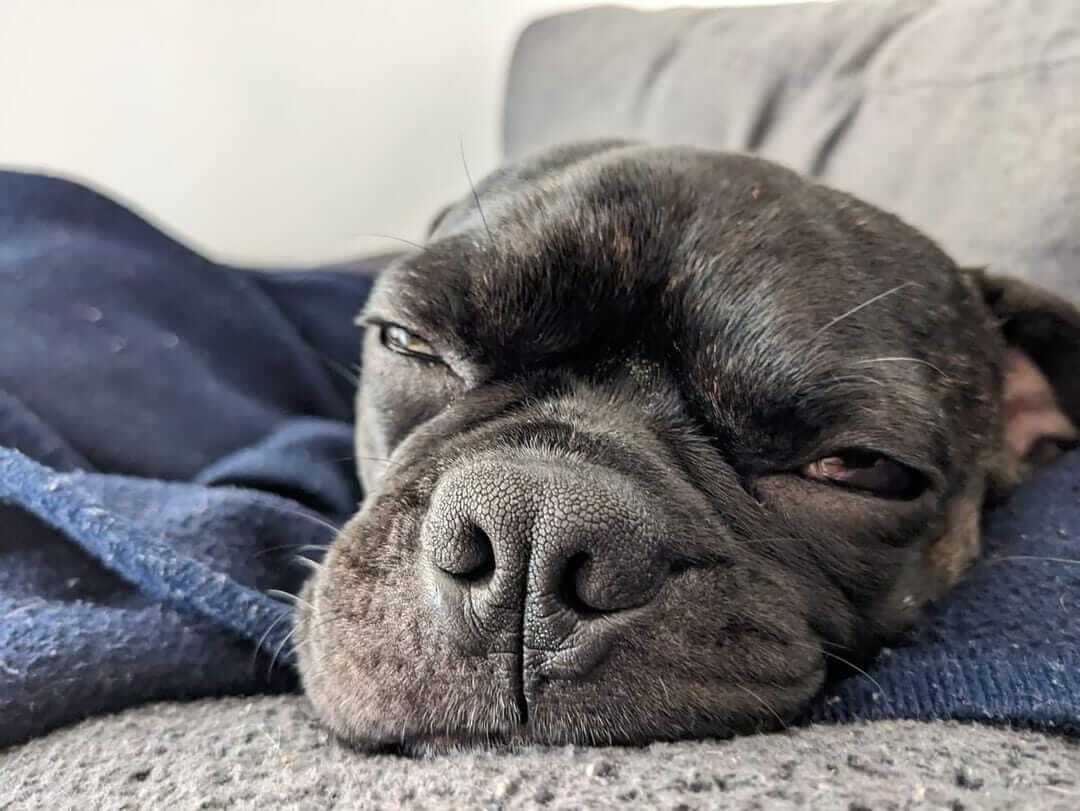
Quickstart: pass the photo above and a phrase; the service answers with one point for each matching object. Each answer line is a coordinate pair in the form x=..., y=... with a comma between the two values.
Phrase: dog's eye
x=868, y=471
x=399, y=339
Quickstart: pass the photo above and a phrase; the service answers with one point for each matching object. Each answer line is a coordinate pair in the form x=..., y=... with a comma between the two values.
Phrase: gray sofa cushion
x=963, y=117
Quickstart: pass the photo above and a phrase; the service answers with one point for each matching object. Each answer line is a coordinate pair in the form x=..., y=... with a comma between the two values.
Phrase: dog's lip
x=552, y=733
x=444, y=741
x=439, y=742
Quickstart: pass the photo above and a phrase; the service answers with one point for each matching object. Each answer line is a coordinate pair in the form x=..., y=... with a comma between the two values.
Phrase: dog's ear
x=1041, y=381
x=1040, y=407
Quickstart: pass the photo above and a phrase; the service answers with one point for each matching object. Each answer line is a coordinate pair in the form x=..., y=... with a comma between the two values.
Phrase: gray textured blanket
x=270, y=753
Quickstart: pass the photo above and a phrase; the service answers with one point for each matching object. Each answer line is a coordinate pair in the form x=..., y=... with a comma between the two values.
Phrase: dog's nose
x=540, y=548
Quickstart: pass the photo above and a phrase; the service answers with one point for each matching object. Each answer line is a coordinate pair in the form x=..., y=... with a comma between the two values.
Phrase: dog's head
x=645, y=434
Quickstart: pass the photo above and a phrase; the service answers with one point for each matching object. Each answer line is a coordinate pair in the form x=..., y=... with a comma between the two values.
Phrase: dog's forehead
x=759, y=299
x=671, y=246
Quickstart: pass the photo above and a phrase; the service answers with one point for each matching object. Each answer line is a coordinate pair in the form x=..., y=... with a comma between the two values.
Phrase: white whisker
x=284, y=596
x=763, y=703
x=868, y=361
x=1068, y=561
x=866, y=303
x=308, y=563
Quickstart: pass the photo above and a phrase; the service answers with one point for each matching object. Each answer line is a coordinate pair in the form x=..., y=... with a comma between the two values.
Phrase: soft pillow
x=961, y=117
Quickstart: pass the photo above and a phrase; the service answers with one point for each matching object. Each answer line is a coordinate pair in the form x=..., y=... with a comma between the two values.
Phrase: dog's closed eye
x=398, y=339
x=868, y=471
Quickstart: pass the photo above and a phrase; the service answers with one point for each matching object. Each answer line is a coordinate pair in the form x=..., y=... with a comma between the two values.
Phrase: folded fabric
x=173, y=431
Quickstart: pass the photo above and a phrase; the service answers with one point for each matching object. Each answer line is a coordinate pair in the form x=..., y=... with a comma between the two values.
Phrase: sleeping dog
x=649, y=436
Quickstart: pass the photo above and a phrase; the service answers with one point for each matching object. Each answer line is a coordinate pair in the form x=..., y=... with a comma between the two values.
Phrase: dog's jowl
x=647, y=432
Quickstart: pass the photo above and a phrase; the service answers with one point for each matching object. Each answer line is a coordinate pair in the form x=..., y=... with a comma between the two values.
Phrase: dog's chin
x=555, y=729
x=555, y=732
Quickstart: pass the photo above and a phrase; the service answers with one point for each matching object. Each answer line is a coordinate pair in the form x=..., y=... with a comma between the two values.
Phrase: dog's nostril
x=476, y=561
x=572, y=586
x=677, y=567
x=484, y=562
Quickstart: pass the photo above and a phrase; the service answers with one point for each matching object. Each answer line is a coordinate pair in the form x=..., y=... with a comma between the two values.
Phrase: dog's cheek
x=721, y=650
x=395, y=396
x=933, y=569
x=370, y=452
x=857, y=543
x=951, y=555
x=344, y=651
x=739, y=641
x=885, y=560
x=373, y=662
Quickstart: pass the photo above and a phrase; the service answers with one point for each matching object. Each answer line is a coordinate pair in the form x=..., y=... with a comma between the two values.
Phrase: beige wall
x=262, y=131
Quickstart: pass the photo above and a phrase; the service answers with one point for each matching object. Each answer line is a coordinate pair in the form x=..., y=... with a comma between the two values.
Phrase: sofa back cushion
x=961, y=117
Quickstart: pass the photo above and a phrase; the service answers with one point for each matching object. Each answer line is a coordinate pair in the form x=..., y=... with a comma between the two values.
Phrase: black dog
x=645, y=430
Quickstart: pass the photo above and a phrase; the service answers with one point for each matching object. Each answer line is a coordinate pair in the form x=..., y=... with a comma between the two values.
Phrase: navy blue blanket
x=173, y=431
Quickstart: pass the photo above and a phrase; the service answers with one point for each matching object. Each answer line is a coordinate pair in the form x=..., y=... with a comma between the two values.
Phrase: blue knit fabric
x=172, y=431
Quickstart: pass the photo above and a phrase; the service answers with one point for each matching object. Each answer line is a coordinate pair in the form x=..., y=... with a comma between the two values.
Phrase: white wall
x=263, y=131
